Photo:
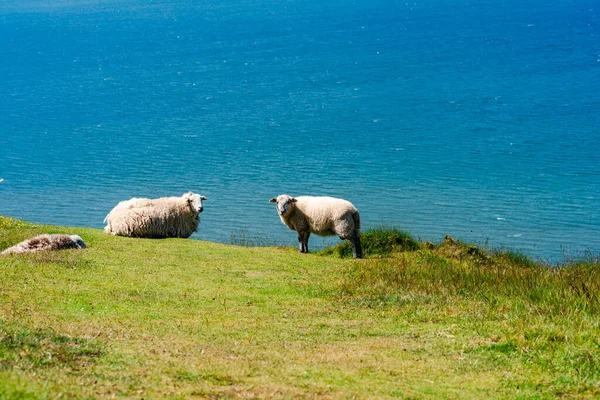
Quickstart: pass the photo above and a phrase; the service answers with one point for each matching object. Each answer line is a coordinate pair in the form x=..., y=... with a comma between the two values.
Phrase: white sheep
x=156, y=218
x=46, y=242
x=323, y=216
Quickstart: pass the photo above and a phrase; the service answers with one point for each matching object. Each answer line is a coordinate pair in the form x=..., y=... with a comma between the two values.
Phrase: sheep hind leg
x=303, y=242
x=356, y=248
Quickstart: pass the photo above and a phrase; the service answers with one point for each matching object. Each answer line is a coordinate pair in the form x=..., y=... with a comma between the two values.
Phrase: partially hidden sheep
x=46, y=242
x=164, y=217
x=323, y=216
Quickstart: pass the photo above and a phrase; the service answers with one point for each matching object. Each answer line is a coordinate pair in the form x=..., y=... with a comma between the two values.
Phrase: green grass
x=376, y=242
x=175, y=318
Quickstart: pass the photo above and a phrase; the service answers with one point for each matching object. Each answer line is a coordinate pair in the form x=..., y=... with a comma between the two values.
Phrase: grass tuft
x=376, y=242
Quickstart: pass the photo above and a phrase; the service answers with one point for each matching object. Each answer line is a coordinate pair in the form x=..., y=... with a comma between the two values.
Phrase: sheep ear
x=293, y=200
x=273, y=200
x=203, y=198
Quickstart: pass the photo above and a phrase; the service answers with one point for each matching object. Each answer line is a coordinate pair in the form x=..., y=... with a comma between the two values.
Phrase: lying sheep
x=156, y=218
x=46, y=242
x=323, y=216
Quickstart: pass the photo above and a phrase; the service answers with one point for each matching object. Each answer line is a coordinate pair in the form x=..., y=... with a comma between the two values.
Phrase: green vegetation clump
x=177, y=318
x=12, y=223
x=376, y=242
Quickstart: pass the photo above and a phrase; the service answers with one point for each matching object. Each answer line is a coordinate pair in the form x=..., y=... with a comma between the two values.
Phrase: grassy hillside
x=177, y=318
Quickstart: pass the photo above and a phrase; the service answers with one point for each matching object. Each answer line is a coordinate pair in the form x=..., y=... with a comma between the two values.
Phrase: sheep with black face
x=323, y=216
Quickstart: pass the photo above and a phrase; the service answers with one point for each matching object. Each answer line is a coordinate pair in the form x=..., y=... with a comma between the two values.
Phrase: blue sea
x=476, y=119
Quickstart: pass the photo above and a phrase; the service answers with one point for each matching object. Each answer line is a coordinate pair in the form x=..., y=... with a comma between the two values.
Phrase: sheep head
x=195, y=201
x=285, y=203
x=77, y=239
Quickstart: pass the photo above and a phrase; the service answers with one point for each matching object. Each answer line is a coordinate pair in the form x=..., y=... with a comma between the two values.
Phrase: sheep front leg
x=303, y=241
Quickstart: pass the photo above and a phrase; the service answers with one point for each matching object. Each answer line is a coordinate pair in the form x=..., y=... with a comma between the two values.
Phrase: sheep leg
x=306, y=242
x=356, y=248
x=303, y=241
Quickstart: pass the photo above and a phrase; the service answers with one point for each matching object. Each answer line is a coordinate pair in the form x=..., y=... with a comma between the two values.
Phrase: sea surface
x=476, y=119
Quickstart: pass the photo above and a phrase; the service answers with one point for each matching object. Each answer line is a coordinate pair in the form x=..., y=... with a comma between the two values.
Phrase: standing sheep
x=156, y=218
x=323, y=216
x=46, y=242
